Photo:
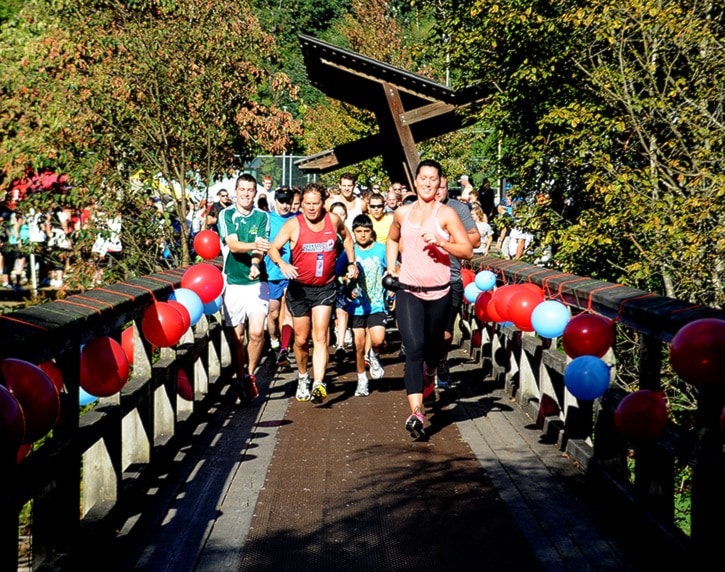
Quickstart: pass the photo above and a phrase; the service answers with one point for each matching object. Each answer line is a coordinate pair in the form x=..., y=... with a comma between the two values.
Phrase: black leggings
x=421, y=324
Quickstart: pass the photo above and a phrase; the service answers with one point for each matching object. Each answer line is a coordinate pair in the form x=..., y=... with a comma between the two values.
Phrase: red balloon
x=207, y=244
x=492, y=312
x=476, y=338
x=697, y=351
x=183, y=386
x=185, y=316
x=23, y=451
x=502, y=297
x=521, y=305
x=12, y=421
x=162, y=325
x=468, y=276
x=127, y=343
x=588, y=335
x=104, y=367
x=54, y=373
x=534, y=288
x=35, y=392
x=481, y=306
x=642, y=415
x=204, y=279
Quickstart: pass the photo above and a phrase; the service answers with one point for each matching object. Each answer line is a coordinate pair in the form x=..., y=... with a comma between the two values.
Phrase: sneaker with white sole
x=319, y=392
x=362, y=388
x=303, y=389
x=376, y=370
x=415, y=425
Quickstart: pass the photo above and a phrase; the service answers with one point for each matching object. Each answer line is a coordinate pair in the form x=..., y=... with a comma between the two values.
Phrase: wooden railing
x=640, y=477
x=78, y=484
x=82, y=481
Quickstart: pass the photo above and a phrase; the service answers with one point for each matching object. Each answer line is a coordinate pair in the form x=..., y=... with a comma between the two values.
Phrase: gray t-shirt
x=464, y=213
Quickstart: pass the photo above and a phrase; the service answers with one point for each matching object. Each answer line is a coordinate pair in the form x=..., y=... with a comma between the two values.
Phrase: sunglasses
x=224, y=196
x=285, y=201
x=376, y=206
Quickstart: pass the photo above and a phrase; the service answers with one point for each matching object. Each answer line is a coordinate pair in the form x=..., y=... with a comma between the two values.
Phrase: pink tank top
x=424, y=264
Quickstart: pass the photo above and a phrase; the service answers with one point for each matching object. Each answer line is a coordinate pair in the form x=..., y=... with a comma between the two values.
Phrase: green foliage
x=614, y=111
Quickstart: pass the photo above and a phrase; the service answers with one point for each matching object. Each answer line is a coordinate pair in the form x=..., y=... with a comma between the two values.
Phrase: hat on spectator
x=283, y=194
x=463, y=179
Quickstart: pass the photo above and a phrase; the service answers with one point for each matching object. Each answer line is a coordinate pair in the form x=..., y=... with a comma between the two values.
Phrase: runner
x=426, y=233
x=312, y=290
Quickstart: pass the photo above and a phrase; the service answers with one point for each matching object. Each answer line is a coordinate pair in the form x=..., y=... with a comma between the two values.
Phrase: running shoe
x=443, y=377
x=339, y=354
x=250, y=386
x=415, y=425
x=376, y=370
x=362, y=388
x=319, y=392
x=274, y=344
x=348, y=338
x=429, y=386
x=283, y=358
x=303, y=389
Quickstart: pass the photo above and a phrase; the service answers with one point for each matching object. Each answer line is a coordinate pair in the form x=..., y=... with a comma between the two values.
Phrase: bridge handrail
x=532, y=370
x=92, y=468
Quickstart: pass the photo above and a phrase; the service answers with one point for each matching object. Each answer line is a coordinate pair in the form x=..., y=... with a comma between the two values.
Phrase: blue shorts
x=277, y=288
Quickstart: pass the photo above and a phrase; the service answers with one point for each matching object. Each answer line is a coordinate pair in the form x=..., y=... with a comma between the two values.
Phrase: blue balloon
x=213, y=306
x=85, y=398
x=191, y=301
x=550, y=318
x=471, y=292
x=586, y=377
x=485, y=280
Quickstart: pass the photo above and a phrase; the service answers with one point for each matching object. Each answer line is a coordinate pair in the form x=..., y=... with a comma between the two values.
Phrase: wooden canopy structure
x=408, y=107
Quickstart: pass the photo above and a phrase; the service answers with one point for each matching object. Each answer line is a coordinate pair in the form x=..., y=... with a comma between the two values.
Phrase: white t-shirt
x=514, y=238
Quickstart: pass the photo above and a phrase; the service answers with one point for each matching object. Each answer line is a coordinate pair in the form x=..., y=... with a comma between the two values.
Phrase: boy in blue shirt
x=366, y=301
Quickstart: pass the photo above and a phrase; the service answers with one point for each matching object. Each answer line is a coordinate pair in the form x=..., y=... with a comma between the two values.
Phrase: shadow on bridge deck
x=282, y=485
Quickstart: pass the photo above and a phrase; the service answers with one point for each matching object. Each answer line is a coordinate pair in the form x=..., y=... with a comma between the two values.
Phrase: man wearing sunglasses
x=212, y=217
x=279, y=322
x=381, y=219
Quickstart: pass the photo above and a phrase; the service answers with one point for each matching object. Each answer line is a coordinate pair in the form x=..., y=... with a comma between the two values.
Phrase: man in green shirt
x=244, y=229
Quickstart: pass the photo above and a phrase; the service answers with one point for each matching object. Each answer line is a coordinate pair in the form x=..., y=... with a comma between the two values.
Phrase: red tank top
x=315, y=253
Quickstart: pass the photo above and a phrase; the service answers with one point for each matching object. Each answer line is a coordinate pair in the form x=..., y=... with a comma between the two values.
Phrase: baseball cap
x=463, y=178
x=283, y=194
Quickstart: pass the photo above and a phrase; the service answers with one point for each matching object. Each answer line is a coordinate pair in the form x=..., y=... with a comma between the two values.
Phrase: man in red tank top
x=313, y=237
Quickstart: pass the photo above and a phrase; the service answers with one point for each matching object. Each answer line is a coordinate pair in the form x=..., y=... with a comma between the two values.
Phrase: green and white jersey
x=247, y=228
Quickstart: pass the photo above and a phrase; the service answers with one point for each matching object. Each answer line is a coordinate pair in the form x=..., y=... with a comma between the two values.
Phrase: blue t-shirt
x=275, y=224
x=371, y=265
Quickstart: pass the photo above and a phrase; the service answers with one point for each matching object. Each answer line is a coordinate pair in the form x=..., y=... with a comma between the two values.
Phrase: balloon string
x=129, y=296
x=547, y=285
x=79, y=304
x=93, y=300
x=38, y=326
x=591, y=294
x=687, y=308
x=627, y=301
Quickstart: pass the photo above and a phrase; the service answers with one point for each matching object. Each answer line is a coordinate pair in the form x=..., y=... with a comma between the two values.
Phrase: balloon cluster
x=29, y=404
x=164, y=323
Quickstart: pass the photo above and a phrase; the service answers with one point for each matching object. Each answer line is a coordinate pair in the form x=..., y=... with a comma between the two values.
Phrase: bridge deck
x=282, y=485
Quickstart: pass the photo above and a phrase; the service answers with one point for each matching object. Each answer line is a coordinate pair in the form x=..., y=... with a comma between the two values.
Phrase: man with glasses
x=212, y=217
x=279, y=322
x=381, y=219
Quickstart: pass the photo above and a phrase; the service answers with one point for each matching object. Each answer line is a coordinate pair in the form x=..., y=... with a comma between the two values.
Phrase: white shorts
x=242, y=301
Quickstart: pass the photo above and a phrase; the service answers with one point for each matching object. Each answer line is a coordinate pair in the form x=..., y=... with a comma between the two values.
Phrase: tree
x=175, y=88
x=613, y=110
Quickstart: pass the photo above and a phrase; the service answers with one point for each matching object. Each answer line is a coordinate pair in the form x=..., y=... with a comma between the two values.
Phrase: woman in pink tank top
x=424, y=234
